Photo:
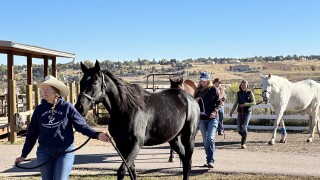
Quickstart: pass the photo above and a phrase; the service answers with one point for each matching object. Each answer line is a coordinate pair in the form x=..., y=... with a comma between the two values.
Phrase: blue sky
x=127, y=30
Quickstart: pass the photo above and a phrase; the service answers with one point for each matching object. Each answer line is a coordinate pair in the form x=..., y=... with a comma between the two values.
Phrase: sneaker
x=219, y=133
x=205, y=165
x=243, y=146
x=210, y=165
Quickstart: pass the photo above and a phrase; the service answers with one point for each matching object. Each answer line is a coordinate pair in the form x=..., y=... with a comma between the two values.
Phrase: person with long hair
x=52, y=125
x=244, y=101
x=210, y=102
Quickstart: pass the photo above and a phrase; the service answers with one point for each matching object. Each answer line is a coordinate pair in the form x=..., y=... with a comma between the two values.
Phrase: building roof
x=35, y=51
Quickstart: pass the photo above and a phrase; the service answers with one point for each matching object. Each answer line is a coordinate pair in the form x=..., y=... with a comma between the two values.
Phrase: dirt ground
x=227, y=148
x=257, y=141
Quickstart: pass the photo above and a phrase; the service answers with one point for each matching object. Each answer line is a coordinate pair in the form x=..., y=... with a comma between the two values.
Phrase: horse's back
x=299, y=95
x=190, y=83
x=169, y=112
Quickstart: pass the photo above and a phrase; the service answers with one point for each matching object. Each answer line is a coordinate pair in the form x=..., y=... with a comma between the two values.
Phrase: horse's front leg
x=283, y=132
x=313, y=120
x=131, y=153
x=276, y=124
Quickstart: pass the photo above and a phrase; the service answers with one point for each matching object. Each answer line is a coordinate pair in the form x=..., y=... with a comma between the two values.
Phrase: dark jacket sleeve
x=32, y=135
x=81, y=125
x=219, y=101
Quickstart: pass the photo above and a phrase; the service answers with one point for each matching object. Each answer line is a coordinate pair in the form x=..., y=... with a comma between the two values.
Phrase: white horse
x=283, y=95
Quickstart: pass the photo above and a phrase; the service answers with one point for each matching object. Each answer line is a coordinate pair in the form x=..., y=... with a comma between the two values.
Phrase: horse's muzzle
x=80, y=109
x=265, y=99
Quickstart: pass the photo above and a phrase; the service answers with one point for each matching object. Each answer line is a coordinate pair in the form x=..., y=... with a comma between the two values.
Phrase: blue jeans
x=58, y=169
x=208, y=129
x=243, y=122
x=221, y=113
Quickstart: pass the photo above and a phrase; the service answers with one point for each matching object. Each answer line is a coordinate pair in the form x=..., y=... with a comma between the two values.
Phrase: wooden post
x=13, y=111
x=45, y=66
x=29, y=87
x=29, y=102
x=29, y=70
x=10, y=70
x=37, y=98
x=67, y=98
x=72, y=95
x=77, y=88
x=54, y=67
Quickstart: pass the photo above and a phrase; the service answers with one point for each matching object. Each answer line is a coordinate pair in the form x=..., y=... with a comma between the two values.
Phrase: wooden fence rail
x=264, y=107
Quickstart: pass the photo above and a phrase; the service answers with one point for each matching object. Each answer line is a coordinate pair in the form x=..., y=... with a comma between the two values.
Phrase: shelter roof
x=35, y=51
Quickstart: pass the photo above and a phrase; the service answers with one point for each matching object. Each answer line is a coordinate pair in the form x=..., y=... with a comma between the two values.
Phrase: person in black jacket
x=210, y=102
x=244, y=100
x=52, y=125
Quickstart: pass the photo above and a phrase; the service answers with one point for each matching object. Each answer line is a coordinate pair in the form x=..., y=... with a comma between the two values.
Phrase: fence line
x=267, y=116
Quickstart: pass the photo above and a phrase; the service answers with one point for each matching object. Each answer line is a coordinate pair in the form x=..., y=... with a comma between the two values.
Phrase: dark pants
x=220, y=126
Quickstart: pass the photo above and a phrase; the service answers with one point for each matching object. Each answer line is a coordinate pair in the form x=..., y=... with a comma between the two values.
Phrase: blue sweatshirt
x=55, y=131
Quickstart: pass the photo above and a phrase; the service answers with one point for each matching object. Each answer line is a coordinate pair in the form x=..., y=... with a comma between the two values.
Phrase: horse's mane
x=132, y=95
x=279, y=80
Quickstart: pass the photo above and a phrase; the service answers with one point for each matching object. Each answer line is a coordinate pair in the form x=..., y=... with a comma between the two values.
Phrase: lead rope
x=62, y=153
x=52, y=158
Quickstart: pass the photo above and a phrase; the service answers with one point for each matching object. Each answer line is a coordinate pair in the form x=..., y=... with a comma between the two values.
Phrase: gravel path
x=296, y=157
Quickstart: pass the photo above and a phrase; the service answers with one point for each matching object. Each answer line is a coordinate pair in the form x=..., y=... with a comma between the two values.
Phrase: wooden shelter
x=12, y=49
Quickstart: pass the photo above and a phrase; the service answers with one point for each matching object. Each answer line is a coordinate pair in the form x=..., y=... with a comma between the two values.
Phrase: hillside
x=293, y=70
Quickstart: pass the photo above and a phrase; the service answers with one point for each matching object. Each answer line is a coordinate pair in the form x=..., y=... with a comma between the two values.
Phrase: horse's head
x=176, y=83
x=266, y=87
x=92, y=88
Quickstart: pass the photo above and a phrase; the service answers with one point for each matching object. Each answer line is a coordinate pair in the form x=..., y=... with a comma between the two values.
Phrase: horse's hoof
x=309, y=140
x=171, y=160
x=283, y=141
x=271, y=143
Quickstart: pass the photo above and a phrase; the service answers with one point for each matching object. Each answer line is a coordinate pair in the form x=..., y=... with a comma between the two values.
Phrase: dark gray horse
x=141, y=118
x=187, y=85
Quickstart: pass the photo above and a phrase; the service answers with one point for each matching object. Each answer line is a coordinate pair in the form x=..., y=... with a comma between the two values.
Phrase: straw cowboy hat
x=54, y=82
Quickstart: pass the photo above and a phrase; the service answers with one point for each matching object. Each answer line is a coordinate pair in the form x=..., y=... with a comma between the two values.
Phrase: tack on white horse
x=283, y=95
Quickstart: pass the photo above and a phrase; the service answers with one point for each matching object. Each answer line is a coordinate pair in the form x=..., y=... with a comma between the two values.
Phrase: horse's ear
x=181, y=81
x=83, y=67
x=269, y=76
x=97, y=66
x=171, y=81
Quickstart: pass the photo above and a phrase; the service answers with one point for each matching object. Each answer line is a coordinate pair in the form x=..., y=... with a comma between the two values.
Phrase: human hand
x=19, y=160
x=213, y=115
x=103, y=137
